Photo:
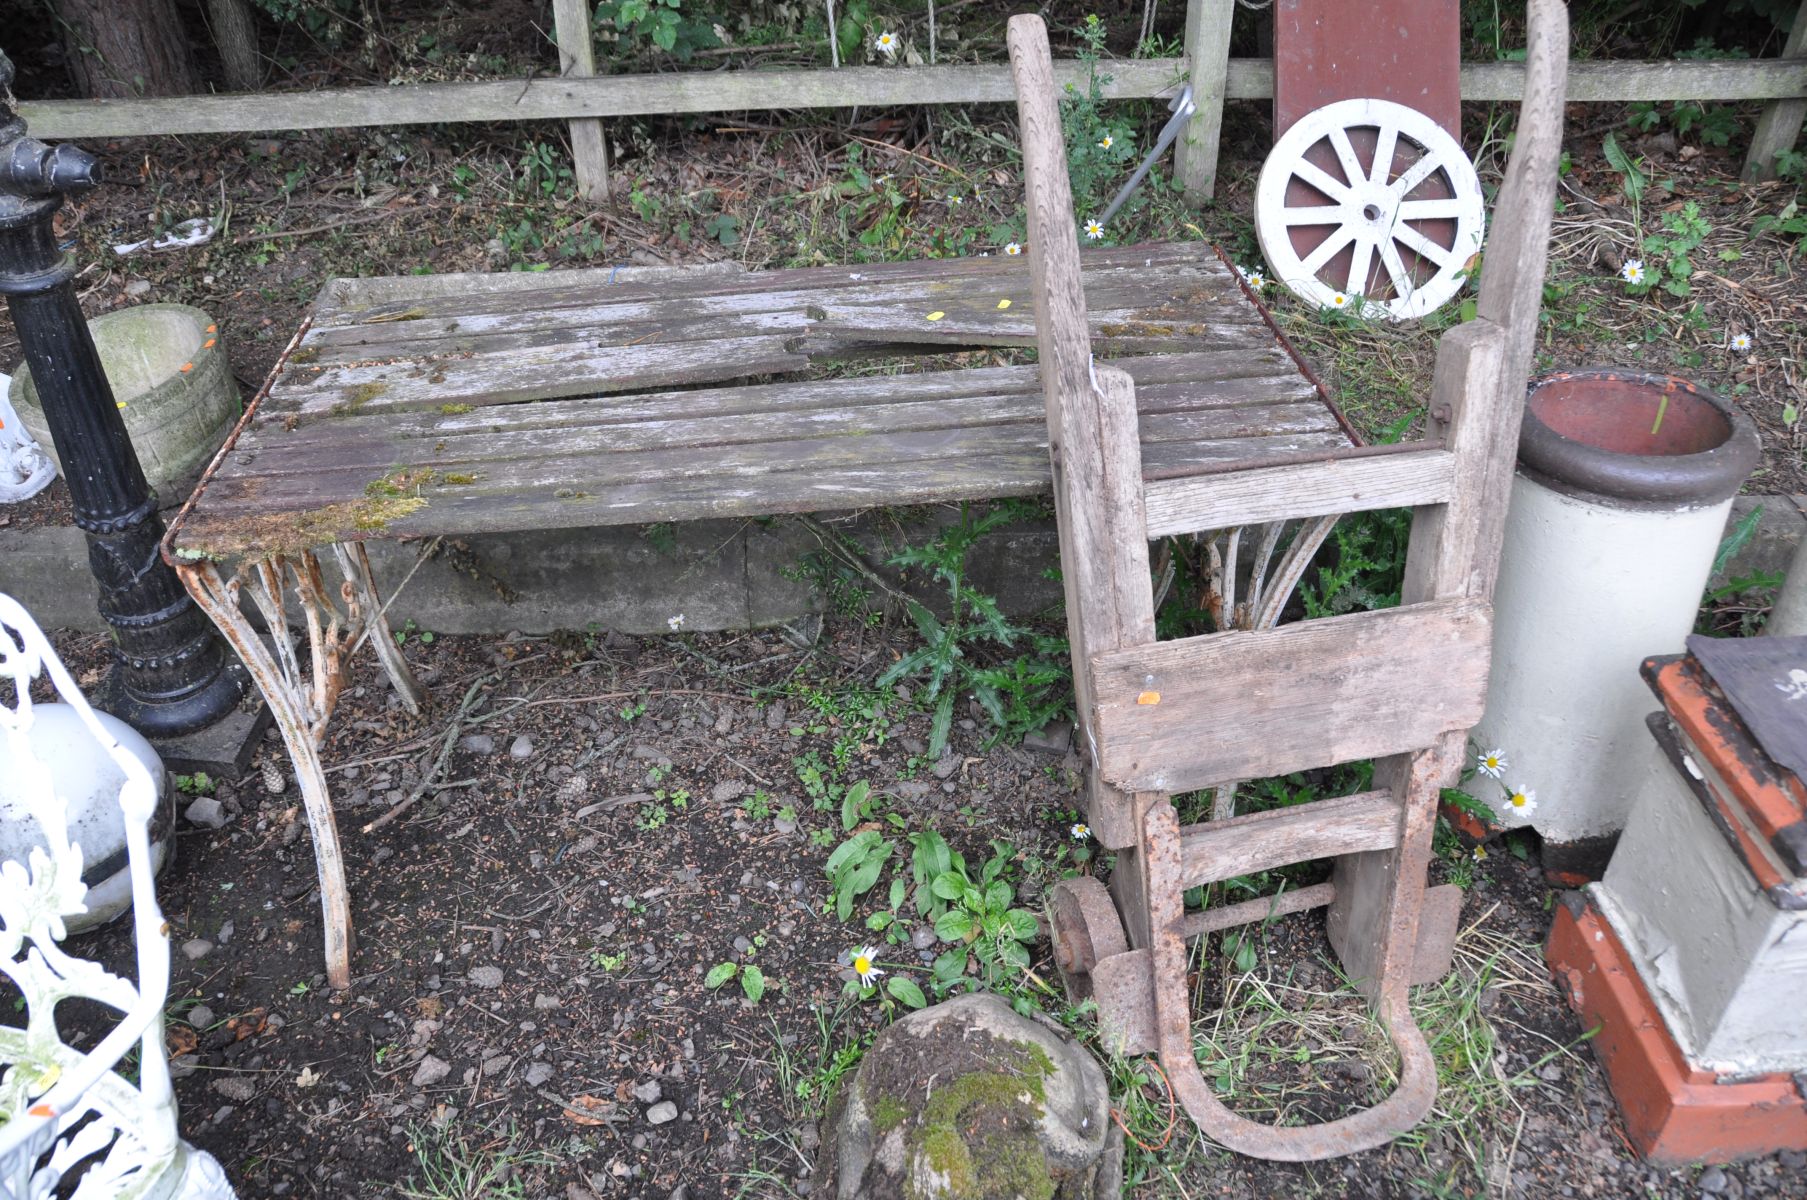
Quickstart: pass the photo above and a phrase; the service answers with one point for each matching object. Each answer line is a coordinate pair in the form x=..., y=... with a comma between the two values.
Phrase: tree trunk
x=235, y=33
x=127, y=48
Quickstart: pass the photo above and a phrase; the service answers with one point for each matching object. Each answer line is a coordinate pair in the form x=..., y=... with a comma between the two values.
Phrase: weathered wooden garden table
x=424, y=407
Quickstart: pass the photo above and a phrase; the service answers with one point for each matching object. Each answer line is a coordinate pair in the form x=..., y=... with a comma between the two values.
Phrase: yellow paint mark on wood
x=1149, y=698
x=1003, y=304
x=936, y=315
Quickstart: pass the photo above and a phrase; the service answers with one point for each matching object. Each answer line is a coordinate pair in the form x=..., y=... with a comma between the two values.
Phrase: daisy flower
x=1492, y=763
x=886, y=44
x=1633, y=271
x=1741, y=342
x=865, y=964
x=1480, y=854
x=1013, y=249
x=1094, y=230
x=1081, y=831
x=1338, y=300
x=953, y=200
x=1257, y=280
x=1521, y=800
x=1107, y=143
x=675, y=623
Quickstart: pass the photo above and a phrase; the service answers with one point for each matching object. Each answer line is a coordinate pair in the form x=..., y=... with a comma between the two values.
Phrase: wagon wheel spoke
x=1416, y=241
x=1402, y=278
x=1317, y=177
x=1345, y=154
x=1326, y=250
x=1312, y=214
x=1359, y=268
x=1416, y=174
x=1385, y=146
x=1429, y=210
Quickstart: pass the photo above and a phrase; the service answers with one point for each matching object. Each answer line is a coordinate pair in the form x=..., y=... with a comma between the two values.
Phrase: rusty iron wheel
x=1085, y=930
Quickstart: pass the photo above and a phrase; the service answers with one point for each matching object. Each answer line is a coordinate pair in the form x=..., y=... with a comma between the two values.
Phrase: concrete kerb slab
x=627, y=579
x=717, y=574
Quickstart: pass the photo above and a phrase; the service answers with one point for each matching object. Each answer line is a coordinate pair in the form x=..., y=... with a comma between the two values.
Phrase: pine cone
x=573, y=789
x=274, y=782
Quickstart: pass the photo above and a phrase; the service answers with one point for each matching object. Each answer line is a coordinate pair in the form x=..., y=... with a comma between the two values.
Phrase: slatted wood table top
x=565, y=400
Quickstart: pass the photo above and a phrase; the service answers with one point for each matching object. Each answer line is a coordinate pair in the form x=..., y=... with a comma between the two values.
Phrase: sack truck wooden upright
x=1401, y=685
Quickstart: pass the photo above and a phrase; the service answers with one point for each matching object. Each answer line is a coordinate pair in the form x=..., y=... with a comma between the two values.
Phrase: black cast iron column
x=171, y=674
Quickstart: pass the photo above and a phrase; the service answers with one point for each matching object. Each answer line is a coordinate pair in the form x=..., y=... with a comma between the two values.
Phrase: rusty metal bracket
x=302, y=683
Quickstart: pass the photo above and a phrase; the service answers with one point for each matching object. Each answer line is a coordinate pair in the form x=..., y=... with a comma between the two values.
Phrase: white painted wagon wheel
x=1401, y=227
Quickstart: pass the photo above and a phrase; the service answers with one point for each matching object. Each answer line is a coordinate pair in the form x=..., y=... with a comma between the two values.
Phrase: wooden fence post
x=1780, y=123
x=577, y=56
x=1208, y=59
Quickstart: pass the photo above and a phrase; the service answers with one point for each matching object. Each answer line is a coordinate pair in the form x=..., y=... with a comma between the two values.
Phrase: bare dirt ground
x=534, y=938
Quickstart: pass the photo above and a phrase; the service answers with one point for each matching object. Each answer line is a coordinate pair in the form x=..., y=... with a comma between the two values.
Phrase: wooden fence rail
x=585, y=99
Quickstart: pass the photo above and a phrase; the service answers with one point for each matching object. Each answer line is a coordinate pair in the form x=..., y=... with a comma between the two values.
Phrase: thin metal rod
x=1182, y=107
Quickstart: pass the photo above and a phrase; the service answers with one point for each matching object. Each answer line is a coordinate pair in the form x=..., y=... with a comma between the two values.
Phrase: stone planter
x=169, y=372
x=1620, y=499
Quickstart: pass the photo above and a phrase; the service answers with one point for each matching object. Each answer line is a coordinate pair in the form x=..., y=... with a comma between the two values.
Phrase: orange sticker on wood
x=1149, y=698
x=187, y=366
x=208, y=344
x=213, y=329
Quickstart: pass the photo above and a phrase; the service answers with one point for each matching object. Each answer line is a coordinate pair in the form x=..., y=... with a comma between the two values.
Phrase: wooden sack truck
x=1401, y=685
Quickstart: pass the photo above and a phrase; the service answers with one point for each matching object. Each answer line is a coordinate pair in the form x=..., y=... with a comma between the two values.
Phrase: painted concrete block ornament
x=1371, y=206
x=1689, y=956
x=70, y=1123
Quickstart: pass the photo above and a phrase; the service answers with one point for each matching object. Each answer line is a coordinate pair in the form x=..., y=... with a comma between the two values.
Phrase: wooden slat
x=237, y=520
x=1208, y=55
x=1208, y=295
x=1780, y=125
x=1096, y=462
x=577, y=58
x=1305, y=490
x=505, y=379
x=358, y=294
x=1204, y=379
x=542, y=99
x=587, y=459
x=985, y=325
x=1222, y=850
x=1247, y=705
x=1185, y=412
x=855, y=328
x=358, y=302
